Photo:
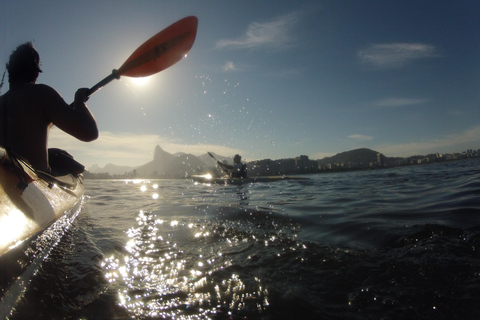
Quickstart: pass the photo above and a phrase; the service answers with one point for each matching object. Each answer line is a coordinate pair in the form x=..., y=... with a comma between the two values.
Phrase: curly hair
x=24, y=64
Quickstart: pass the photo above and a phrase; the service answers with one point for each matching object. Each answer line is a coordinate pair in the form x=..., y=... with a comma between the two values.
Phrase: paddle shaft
x=211, y=155
x=103, y=83
x=219, y=163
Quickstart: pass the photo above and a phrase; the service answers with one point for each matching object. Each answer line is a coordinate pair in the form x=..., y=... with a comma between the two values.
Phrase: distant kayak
x=208, y=179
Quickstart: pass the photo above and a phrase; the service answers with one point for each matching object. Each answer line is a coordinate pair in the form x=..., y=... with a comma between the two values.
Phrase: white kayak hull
x=27, y=210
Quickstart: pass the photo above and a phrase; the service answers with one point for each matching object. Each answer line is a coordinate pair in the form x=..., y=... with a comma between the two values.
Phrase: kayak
x=208, y=179
x=32, y=200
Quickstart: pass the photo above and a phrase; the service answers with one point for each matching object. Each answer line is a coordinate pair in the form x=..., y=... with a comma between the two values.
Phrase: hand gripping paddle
x=159, y=52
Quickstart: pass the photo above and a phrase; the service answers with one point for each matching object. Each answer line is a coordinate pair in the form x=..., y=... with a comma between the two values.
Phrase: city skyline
x=163, y=158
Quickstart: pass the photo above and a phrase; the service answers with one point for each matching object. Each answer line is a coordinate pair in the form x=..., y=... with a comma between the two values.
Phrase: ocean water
x=400, y=243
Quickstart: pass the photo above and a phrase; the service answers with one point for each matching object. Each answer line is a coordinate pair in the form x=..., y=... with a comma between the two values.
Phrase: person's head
x=237, y=158
x=24, y=64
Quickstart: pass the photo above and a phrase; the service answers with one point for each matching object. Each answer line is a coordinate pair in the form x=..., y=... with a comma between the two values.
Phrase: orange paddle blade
x=158, y=53
x=162, y=50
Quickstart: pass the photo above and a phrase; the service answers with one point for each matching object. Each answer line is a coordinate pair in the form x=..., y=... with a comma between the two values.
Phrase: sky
x=265, y=79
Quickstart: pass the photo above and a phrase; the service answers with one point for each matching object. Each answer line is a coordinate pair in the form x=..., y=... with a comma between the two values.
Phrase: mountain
x=159, y=155
x=184, y=165
x=111, y=169
x=181, y=165
x=166, y=165
x=357, y=156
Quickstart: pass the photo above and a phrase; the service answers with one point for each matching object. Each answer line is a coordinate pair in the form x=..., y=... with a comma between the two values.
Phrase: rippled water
x=399, y=243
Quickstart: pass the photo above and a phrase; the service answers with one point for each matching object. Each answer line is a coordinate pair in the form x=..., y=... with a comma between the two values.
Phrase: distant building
x=302, y=163
x=380, y=159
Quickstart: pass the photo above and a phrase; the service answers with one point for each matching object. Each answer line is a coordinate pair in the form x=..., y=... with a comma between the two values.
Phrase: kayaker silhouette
x=28, y=111
x=238, y=169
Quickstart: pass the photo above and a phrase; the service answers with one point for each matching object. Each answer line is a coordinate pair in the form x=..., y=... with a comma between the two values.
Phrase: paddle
x=158, y=53
x=211, y=155
x=219, y=163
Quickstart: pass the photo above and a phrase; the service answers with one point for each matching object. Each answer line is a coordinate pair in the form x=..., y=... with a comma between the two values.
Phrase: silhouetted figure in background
x=237, y=170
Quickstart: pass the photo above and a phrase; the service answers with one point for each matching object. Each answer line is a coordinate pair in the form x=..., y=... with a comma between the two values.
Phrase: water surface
x=399, y=243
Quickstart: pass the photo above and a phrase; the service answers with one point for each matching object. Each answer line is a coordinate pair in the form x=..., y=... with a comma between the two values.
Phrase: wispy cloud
x=276, y=33
x=398, y=102
x=395, y=55
x=360, y=137
x=301, y=142
x=452, y=143
x=127, y=148
x=229, y=66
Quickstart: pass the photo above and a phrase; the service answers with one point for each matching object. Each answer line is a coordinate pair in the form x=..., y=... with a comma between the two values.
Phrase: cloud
x=460, y=141
x=360, y=137
x=398, y=102
x=272, y=34
x=127, y=148
x=301, y=142
x=229, y=66
x=395, y=55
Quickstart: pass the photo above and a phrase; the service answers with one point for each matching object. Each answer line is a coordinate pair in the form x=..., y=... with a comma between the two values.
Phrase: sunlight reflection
x=160, y=278
x=134, y=181
x=10, y=227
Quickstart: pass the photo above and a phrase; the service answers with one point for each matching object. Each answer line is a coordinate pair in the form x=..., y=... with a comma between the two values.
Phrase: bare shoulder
x=41, y=94
x=42, y=89
x=32, y=90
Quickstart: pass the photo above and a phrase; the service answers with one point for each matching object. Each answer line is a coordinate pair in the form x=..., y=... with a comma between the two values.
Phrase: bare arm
x=75, y=119
x=90, y=125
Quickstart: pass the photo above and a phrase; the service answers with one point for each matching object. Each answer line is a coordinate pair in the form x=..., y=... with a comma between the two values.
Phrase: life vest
x=239, y=170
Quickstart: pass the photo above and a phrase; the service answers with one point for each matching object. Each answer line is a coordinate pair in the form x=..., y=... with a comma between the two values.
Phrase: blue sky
x=266, y=79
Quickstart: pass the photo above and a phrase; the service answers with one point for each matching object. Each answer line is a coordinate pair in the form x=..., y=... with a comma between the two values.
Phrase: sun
x=140, y=81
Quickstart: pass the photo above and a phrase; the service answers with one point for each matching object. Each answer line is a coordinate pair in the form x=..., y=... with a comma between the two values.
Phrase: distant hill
x=111, y=169
x=166, y=165
x=357, y=156
x=180, y=165
x=184, y=165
